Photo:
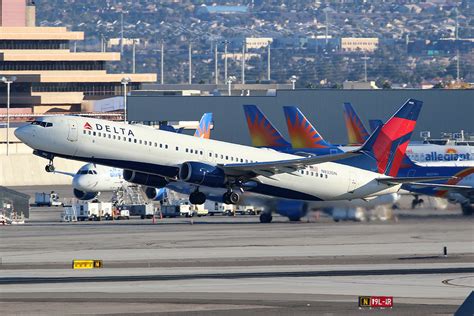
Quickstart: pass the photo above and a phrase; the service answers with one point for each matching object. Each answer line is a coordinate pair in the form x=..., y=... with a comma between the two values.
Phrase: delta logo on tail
x=204, y=128
x=356, y=132
x=262, y=132
x=302, y=132
x=389, y=142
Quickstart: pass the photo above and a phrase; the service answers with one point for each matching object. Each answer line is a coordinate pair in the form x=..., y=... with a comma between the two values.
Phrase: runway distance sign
x=86, y=264
x=376, y=301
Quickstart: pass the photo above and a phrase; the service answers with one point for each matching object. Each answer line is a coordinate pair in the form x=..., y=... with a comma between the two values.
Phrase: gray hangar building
x=443, y=110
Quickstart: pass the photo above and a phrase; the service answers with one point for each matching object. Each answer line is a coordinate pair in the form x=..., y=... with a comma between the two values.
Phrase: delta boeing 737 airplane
x=161, y=157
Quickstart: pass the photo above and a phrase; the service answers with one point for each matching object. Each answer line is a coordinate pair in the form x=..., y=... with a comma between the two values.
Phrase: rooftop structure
x=49, y=75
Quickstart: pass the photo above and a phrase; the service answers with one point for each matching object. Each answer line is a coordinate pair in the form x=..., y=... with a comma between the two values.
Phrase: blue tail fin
x=356, y=131
x=204, y=129
x=388, y=144
x=374, y=124
x=262, y=132
x=302, y=132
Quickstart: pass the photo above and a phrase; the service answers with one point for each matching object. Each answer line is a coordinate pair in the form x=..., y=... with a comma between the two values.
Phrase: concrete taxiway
x=237, y=266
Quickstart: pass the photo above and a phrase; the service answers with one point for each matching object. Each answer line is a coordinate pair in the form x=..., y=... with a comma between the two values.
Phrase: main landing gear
x=416, y=201
x=50, y=166
x=197, y=197
x=266, y=217
x=231, y=197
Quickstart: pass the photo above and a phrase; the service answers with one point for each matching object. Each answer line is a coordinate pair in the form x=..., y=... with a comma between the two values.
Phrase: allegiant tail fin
x=204, y=129
x=302, y=132
x=374, y=124
x=356, y=131
x=388, y=144
x=262, y=132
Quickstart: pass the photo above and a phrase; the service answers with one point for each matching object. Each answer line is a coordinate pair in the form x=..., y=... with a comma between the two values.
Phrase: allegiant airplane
x=306, y=139
x=357, y=134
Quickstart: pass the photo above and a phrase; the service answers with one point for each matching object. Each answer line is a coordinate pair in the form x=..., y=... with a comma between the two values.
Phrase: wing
x=65, y=173
x=270, y=168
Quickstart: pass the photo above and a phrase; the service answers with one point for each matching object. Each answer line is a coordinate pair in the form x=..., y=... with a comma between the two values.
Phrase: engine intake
x=155, y=194
x=200, y=173
x=144, y=179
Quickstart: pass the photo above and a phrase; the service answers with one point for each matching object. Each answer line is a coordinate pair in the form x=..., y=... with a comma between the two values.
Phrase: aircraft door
x=72, y=135
x=352, y=183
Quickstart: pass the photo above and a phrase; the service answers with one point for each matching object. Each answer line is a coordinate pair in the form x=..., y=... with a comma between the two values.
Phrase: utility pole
x=121, y=34
x=365, y=58
x=458, y=64
x=162, y=62
x=243, y=62
x=133, y=57
x=225, y=59
x=215, y=64
x=268, y=61
x=190, y=65
x=327, y=30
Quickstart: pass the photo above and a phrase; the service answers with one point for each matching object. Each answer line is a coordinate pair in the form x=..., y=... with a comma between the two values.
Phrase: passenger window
x=145, y=142
x=114, y=136
x=241, y=160
x=99, y=134
x=90, y=132
x=140, y=141
x=200, y=152
x=191, y=151
x=177, y=148
x=312, y=173
x=135, y=140
x=226, y=157
x=210, y=155
x=231, y=158
x=166, y=146
x=326, y=176
x=161, y=145
x=84, y=131
x=93, y=133
x=321, y=175
x=156, y=145
x=129, y=140
x=187, y=150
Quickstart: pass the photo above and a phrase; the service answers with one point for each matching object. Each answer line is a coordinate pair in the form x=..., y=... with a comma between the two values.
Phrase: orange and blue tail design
x=374, y=124
x=204, y=129
x=262, y=132
x=302, y=132
x=388, y=144
x=356, y=131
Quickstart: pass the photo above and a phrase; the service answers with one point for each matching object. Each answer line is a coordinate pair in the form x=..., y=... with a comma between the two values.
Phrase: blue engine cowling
x=144, y=179
x=155, y=194
x=81, y=195
x=201, y=173
x=294, y=210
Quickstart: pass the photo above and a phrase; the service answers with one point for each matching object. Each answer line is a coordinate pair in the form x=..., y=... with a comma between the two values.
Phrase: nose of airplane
x=83, y=183
x=22, y=133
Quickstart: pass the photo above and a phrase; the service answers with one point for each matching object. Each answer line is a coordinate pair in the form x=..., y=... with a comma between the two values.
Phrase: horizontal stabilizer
x=411, y=180
x=448, y=187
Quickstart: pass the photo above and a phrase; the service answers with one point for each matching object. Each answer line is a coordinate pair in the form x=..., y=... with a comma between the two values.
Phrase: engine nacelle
x=200, y=173
x=155, y=194
x=294, y=210
x=144, y=179
x=81, y=195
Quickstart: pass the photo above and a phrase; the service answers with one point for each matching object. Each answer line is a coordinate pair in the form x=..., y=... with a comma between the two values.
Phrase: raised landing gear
x=231, y=197
x=197, y=197
x=50, y=166
x=266, y=217
x=467, y=209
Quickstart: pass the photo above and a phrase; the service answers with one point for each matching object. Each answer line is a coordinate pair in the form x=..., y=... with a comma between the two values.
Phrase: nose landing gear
x=50, y=166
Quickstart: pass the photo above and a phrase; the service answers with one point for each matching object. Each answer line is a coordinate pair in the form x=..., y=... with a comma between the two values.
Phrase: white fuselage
x=145, y=149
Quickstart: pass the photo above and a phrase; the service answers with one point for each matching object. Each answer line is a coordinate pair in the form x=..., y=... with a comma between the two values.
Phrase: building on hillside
x=258, y=42
x=353, y=44
x=50, y=74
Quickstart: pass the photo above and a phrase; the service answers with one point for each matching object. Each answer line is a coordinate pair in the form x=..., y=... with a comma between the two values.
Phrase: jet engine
x=200, y=173
x=294, y=210
x=155, y=194
x=81, y=195
x=144, y=179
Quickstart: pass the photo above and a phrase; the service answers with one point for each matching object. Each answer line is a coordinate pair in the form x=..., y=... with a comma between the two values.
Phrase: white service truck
x=94, y=211
x=47, y=199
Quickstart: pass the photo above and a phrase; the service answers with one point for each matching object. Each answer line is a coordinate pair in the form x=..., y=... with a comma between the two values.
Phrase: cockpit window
x=42, y=124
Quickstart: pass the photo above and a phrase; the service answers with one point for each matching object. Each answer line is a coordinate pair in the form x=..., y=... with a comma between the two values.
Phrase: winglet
x=388, y=144
x=204, y=129
x=302, y=132
x=356, y=131
x=262, y=132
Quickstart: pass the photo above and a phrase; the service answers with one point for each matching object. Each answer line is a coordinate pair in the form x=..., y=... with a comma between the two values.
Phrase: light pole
x=125, y=81
x=229, y=83
x=293, y=81
x=8, y=81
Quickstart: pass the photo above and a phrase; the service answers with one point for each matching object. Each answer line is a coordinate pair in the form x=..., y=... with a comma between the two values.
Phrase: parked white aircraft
x=160, y=157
